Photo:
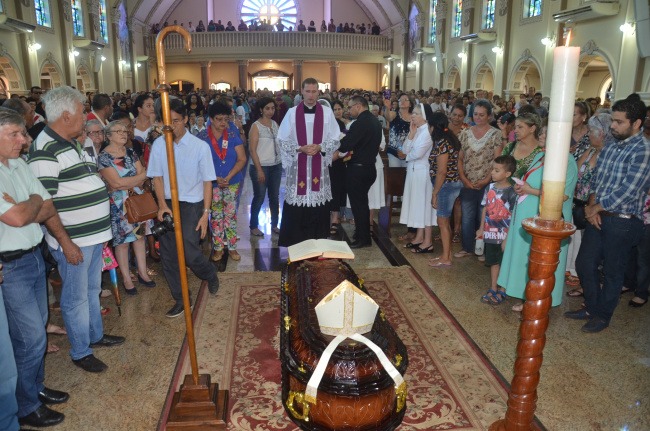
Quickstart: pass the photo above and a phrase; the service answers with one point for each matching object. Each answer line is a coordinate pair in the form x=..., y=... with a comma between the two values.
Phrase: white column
x=327, y=10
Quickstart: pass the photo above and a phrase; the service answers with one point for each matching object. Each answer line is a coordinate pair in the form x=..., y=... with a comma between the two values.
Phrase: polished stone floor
x=588, y=382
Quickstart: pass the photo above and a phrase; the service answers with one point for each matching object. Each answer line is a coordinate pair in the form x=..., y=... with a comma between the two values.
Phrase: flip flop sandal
x=334, y=228
x=419, y=250
x=571, y=280
x=439, y=264
x=257, y=232
x=575, y=293
x=456, y=238
x=462, y=253
x=411, y=245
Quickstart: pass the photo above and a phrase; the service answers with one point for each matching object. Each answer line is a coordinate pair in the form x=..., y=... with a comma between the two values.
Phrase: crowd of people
x=264, y=25
x=474, y=165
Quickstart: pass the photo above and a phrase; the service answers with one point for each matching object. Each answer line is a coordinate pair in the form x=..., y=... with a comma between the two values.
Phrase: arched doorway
x=270, y=79
x=483, y=78
x=180, y=85
x=525, y=76
x=594, y=77
x=84, y=79
x=452, y=80
x=11, y=80
x=220, y=86
x=51, y=75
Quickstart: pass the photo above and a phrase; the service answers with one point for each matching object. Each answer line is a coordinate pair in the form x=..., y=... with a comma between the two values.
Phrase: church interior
x=588, y=382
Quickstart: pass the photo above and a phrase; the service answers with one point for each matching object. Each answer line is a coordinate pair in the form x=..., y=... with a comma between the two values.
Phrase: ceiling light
x=626, y=28
x=399, y=65
x=385, y=66
x=462, y=55
x=36, y=46
x=75, y=53
x=434, y=58
x=103, y=58
x=138, y=65
x=497, y=50
x=547, y=41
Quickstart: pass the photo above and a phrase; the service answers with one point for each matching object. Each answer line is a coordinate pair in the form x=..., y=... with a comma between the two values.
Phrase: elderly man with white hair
x=77, y=234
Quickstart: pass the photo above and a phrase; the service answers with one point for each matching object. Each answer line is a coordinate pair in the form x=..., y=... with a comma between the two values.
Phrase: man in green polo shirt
x=24, y=203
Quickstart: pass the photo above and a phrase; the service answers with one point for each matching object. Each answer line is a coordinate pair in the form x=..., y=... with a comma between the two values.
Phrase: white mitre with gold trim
x=347, y=312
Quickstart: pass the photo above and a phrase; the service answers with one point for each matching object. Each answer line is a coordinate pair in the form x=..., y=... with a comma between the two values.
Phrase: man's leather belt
x=619, y=215
x=8, y=256
x=360, y=164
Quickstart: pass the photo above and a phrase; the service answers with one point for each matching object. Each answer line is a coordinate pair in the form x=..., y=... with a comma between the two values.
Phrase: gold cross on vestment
x=301, y=184
x=315, y=180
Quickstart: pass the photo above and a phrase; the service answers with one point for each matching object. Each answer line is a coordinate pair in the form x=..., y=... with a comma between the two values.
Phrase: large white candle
x=560, y=122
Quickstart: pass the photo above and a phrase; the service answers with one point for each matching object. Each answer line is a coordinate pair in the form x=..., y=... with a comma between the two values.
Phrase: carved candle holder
x=544, y=258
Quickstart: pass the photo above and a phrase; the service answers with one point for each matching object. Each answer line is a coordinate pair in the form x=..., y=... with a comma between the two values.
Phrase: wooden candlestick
x=544, y=258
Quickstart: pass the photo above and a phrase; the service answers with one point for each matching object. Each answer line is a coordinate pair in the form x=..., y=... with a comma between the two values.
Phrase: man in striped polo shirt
x=77, y=234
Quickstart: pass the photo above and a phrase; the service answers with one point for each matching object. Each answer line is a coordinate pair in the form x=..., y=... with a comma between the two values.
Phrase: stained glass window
x=77, y=18
x=103, y=23
x=488, y=14
x=433, y=17
x=271, y=11
x=532, y=8
x=458, y=18
x=42, y=8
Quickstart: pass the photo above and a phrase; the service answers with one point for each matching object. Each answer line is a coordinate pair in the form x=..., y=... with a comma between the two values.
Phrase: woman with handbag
x=122, y=171
x=599, y=135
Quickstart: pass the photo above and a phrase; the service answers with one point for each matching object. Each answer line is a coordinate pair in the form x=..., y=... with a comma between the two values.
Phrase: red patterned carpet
x=451, y=386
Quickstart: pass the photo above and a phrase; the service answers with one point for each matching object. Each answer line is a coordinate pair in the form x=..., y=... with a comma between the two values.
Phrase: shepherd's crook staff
x=199, y=405
x=173, y=184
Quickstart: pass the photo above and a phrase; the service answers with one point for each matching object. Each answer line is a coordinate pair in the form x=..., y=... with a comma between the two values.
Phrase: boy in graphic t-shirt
x=498, y=203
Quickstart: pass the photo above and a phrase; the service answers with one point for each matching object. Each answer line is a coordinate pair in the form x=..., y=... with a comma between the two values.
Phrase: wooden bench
x=394, y=179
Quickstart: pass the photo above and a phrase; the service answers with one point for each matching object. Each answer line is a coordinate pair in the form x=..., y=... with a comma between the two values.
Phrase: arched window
x=42, y=9
x=488, y=14
x=103, y=24
x=2, y=8
x=458, y=18
x=77, y=18
x=532, y=8
x=271, y=11
x=432, y=21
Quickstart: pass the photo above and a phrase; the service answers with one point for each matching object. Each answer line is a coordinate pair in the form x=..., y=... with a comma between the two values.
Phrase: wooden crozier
x=199, y=404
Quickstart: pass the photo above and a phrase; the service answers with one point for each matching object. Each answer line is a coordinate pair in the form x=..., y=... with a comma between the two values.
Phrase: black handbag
x=579, y=219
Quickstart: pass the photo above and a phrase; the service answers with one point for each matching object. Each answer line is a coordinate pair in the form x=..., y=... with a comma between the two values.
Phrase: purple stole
x=301, y=133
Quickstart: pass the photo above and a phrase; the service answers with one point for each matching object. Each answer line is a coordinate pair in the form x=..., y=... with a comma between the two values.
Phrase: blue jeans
x=271, y=186
x=8, y=375
x=470, y=203
x=25, y=300
x=80, y=299
x=637, y=274
x=611, y=245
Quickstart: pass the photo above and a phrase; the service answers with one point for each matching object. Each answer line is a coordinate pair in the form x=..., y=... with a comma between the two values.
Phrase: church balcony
x=228, y=46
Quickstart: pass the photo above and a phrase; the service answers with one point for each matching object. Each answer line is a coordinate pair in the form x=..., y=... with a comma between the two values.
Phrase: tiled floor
x=588, y=382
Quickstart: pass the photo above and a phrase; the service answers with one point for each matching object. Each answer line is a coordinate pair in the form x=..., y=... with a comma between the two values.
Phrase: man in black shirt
x=363, y=140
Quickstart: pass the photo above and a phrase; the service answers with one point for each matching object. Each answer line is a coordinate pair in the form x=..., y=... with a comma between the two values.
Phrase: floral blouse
x=585, y=172
x=444, y=147
x=522, y=164
x=579, y=148
x=479, y=153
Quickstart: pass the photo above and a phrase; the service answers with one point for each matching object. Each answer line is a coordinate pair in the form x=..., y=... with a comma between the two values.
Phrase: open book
x=325, y=248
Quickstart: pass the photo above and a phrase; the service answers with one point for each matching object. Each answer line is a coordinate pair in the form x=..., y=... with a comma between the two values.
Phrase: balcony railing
x=280, y=45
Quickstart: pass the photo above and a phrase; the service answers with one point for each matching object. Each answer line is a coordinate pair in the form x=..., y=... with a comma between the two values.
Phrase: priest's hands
x=310, y=149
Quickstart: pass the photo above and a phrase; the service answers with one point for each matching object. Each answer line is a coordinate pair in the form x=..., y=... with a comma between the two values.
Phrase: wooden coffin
x=356, y=393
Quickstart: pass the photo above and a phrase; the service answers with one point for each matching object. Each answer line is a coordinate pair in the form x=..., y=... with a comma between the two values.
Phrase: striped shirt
x=79, y=194
x=622, y=176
